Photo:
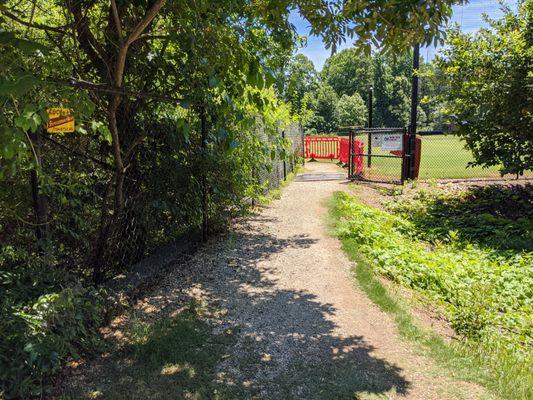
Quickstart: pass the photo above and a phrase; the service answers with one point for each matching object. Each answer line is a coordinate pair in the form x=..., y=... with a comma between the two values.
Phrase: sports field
x=443, y=157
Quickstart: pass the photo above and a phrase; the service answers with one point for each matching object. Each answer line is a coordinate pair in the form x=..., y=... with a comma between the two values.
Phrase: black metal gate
x=380, y=155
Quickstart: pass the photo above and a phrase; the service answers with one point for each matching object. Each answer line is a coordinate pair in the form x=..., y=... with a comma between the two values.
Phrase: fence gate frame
x=408, y=165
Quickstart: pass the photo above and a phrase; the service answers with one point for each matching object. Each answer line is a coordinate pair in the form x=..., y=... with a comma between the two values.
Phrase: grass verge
x=275, y=194
x=466, y=360
x=174, y=357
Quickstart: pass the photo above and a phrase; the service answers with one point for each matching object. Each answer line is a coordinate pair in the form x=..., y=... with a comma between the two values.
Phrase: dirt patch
x=425, y=312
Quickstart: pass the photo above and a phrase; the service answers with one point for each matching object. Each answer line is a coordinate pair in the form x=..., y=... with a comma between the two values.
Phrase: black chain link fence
x=378, y=155
x=180, y=173
x=445, y=156
x=440, y=156
x=282, y=162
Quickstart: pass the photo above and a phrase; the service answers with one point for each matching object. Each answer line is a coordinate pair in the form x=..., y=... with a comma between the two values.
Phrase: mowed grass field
x=443, y=157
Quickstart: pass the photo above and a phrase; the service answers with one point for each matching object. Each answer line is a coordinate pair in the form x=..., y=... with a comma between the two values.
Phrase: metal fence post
x=302, y=135
x=203, y=129
x=369, y=150
x=414, y=109
x=284, y=164
x=405, y=156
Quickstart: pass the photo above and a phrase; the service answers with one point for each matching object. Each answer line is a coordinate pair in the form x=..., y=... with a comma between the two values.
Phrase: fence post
x=39, y=201
x=369, y=150
x=203, y=131
x=302, y=135
x=284, y=165
x=414, y=109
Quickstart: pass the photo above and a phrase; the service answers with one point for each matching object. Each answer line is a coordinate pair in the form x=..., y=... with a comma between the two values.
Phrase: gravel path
x=303, y=329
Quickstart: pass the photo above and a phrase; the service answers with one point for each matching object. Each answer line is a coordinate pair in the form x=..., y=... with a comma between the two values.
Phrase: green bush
x=39, y=335
x=487, y=291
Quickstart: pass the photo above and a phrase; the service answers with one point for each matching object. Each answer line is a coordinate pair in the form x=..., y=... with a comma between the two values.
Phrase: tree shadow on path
x=273, y=343
x=288, y=345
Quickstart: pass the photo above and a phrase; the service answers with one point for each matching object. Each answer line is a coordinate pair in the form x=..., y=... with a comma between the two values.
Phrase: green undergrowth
x=275, y=194
x=174, y=357
x=485, y=291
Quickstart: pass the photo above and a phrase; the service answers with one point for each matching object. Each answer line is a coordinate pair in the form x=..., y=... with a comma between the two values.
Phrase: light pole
x=370, y=93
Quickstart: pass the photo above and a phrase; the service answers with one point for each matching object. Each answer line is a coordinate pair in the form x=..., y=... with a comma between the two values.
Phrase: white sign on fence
x=376, y=140
x=391, y=142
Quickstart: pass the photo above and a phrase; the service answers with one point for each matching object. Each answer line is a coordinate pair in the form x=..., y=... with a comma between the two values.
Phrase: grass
x=173, y=358
x=495, y=369
x=443, y=157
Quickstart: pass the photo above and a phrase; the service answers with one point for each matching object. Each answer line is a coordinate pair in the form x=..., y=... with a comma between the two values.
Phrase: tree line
x=339, y=95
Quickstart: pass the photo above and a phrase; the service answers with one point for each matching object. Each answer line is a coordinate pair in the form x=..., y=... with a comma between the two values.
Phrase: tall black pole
x=205, y=200
x=370, y=92
x=414, y=88
x=414, y=109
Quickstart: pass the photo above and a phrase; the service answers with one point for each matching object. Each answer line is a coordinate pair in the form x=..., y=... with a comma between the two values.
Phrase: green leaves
x=29, y=119
x=486, y=291
x=487, y=77
x=17, y=85
x=102, y=129
x=8, y=39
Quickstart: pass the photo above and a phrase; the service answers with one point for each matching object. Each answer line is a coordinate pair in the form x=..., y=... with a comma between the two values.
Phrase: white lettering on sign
x=391, y=142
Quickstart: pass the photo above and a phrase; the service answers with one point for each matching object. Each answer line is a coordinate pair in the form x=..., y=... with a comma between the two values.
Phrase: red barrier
x=325, y=147
x=331, y=147
x=344, y=149
x=358, y=148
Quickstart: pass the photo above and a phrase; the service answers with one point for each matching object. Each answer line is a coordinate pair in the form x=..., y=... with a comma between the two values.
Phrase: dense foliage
x=489, y=91
x=350, y=74
x=350, y=111
x=444, y=246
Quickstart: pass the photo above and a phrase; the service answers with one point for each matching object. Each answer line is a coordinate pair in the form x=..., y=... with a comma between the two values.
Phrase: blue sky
x=469, y=16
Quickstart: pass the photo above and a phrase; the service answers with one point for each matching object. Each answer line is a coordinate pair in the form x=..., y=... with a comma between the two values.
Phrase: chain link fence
x=282, y=162
x=378, y=157
x=378, y=154
x=179, y=171
x=445, y=156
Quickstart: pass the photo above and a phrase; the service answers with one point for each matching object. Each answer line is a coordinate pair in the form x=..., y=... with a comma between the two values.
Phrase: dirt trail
x=311, y=331
x=304, y=329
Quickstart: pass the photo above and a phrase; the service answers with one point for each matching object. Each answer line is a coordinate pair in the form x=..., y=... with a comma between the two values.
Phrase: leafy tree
x=489, y=90
x=321, y=103
x=351, y=111
x=301, y=78
x=432, y=89
x=392, y=90
x=349, y=72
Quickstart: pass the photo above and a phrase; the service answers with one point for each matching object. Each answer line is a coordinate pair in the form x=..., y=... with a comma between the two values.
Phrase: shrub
x=487, y=291
x=39, y=335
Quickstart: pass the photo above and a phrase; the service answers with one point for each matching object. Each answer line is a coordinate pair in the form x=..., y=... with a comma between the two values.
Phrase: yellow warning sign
x=60, y=120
